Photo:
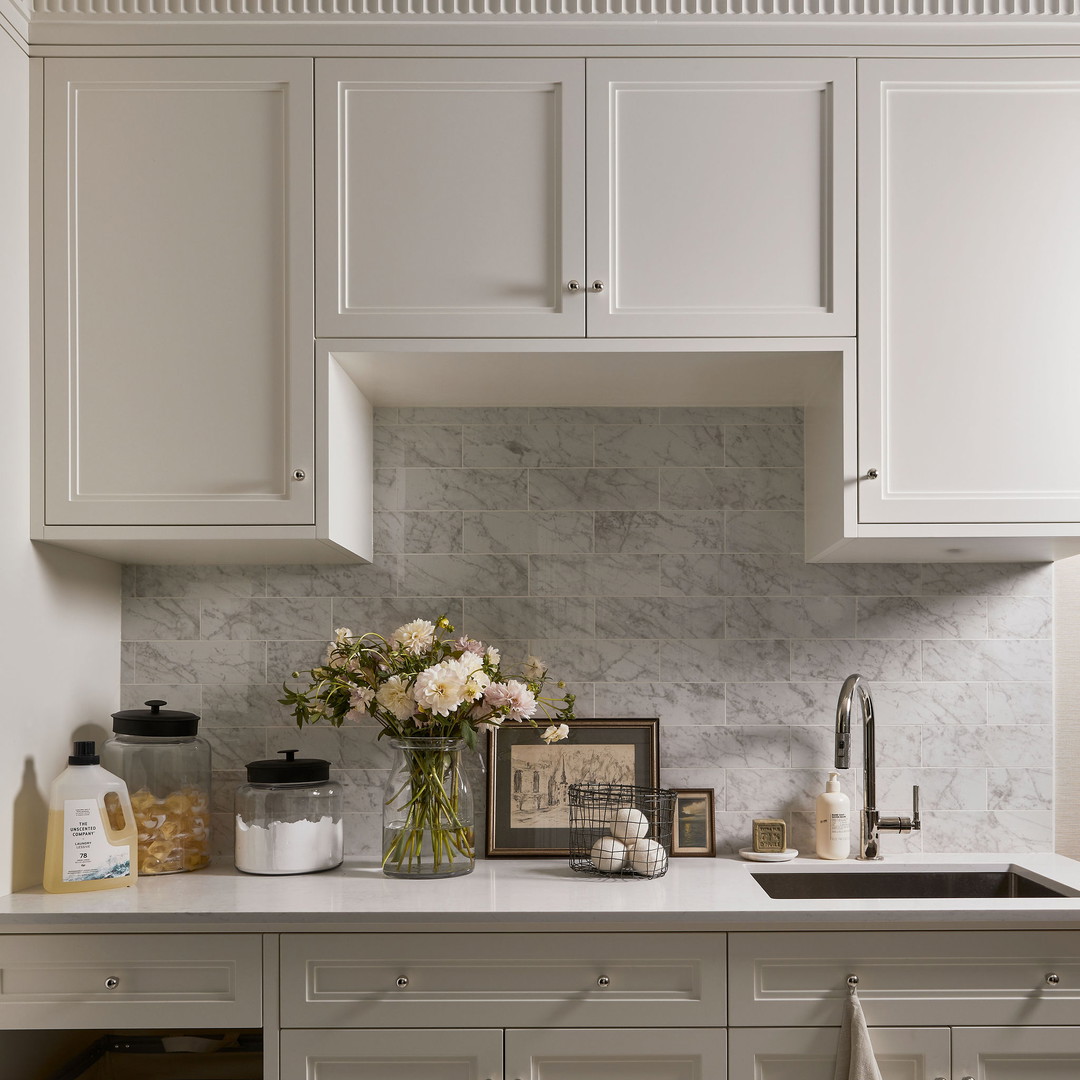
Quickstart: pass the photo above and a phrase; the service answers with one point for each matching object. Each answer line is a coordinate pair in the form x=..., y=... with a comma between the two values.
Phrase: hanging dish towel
x=855, y=1055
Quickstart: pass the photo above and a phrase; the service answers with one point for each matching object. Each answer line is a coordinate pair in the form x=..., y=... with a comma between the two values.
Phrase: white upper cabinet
x=721, y=197
x=969, y=266
x=184, y=416
x=452, y=198
x=179, y=368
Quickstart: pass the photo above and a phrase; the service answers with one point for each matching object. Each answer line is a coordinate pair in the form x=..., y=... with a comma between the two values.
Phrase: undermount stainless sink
x=905, y=884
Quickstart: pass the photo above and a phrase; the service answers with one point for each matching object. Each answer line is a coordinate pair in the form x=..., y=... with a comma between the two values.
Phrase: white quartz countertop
x=527, y=894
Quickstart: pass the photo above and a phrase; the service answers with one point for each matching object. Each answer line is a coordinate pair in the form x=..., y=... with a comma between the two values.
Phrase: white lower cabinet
x=810, y=1053
x=130, y=981
x=555, y=1006
x=478, y=1054
x=974, y=1005
x=1019, y=1053
x=425, y=1054
x=1009, y=1053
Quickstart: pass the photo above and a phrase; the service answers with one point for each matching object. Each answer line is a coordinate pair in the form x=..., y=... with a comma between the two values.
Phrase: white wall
x=59, y=612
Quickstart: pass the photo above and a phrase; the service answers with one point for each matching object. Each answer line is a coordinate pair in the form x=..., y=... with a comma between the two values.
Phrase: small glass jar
x=288, y=817
x=166, y=766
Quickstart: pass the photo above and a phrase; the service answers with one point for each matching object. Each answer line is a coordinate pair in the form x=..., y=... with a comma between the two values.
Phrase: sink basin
x=905, y=884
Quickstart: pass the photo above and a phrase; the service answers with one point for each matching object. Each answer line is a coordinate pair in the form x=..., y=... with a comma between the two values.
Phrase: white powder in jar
x=288, y=847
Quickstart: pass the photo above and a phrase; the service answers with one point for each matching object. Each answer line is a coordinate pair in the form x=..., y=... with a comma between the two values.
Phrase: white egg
x=648, y=857
x=628, y=824
x=608, y=854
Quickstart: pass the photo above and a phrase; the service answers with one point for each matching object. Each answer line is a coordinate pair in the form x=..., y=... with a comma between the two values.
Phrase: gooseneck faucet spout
x=856, y=687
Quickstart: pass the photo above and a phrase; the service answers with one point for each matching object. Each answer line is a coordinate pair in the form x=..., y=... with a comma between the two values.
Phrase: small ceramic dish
x=769, y=856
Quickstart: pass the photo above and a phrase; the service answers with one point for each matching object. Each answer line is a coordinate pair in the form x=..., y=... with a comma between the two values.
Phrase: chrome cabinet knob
x=1053, y=979
x=597, y=286
x=402, y=982
x=871, y=474
x=603, y=982
x=573, y=286
x=853, y=980
x=299, y=474
x=111, y=983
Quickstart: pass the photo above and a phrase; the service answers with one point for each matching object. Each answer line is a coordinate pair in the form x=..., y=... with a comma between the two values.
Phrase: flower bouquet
x=431, y=694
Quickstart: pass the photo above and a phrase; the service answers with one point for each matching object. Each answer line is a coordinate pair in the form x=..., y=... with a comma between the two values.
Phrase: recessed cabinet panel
x=130, y=980
x=919, y=978
x=635, y=1054
x=401, y=980
x=179, y=381
x=969, y=265
x=450, y=197
x=721, y=197
x=810, y=1053
x=1040, y=1053
x=460, y=1054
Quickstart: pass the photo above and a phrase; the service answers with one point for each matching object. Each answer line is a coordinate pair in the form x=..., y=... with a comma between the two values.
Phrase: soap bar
x=770, y=834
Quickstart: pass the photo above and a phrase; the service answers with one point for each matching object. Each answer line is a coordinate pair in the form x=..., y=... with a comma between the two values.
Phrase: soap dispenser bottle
x=92, y=840
x=833, y=822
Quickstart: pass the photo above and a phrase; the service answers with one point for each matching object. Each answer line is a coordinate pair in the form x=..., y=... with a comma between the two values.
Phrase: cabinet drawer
x=935, y=977
x=131, y=980
x=534, y=980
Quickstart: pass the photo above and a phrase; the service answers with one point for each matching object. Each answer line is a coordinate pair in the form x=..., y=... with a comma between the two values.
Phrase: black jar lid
x=155, y=721
x=291, y=770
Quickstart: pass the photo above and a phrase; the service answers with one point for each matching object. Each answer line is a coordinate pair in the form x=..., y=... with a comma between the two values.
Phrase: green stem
x=433, y=810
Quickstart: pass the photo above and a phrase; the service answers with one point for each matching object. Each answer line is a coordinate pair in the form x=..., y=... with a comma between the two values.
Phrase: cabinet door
x=367, y=1054
x=968, y=263
x=450, y=197
x=564, y=980
x=810, y=1053
x=721, y=197
x=617, y=1054
x=910, y=978
x=130, y=980
x=1036, y=1053
x=178, y=334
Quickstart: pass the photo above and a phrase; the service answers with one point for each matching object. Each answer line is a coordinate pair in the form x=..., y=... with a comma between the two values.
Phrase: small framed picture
x=694, y=833
x=528, y=780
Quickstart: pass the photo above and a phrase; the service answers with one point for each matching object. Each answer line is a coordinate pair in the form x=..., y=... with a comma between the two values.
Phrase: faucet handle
x=916, y=824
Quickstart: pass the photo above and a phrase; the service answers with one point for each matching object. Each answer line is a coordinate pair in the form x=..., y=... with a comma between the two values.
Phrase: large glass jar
x=288, y=817
x=166, y=766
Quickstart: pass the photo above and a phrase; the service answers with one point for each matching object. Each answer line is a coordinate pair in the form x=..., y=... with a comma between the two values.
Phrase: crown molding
x=322, y=26
x=577, y=10
x=15, y=16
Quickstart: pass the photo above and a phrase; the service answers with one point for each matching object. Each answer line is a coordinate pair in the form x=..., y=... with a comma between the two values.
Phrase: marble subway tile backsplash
x=653, y=557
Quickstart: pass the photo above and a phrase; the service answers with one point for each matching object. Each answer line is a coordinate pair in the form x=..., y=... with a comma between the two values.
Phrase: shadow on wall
x=29, y=817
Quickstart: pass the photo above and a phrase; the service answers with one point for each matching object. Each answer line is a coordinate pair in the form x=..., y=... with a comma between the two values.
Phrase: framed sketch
x=528, y=780
x=694, y=832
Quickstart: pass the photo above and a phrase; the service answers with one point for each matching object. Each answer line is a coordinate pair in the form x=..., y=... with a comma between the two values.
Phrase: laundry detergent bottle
x=92, y=841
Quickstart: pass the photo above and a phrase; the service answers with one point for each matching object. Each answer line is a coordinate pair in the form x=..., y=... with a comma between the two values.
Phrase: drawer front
x=131, y=980
x=534, y=980
x=932, y=977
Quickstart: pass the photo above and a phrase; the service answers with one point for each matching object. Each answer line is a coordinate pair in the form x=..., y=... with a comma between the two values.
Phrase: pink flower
x=360, y=697
x=497, y=696
x=470, y=645
x=513, y=697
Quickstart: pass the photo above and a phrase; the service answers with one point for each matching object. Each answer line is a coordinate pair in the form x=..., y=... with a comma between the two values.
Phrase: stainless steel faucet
x=872, y=822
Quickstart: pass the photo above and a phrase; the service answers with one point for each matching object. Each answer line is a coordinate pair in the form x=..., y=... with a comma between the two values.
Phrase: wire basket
x=620, y=830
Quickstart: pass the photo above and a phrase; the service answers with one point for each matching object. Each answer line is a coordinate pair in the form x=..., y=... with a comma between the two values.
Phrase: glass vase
x=428, y=811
